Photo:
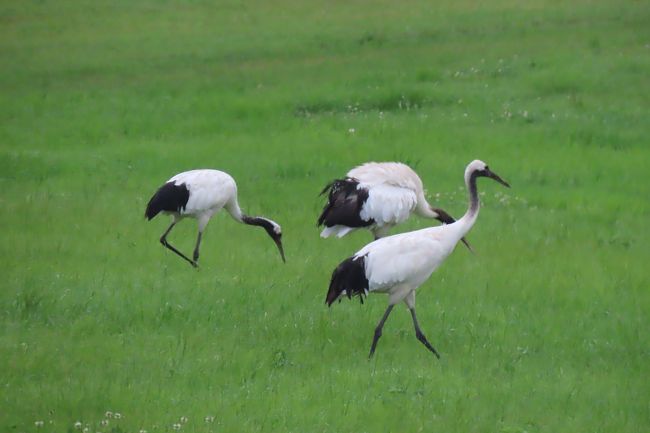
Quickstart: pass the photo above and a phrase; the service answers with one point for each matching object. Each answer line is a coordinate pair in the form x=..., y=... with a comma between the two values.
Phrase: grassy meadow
x=545, y=329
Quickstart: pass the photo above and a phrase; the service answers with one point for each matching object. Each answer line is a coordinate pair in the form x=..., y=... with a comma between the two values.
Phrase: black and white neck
x=474, y=170
x=468, y=220
x=272, y=228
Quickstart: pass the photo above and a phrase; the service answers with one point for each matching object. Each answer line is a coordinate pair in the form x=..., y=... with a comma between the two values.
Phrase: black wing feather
x=344, y=204
x=349, y=276
x=169, y=197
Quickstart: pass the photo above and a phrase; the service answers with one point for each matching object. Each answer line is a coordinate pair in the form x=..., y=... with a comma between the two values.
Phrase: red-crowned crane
x=397, y=265
x=376, y=196
x=200, y=194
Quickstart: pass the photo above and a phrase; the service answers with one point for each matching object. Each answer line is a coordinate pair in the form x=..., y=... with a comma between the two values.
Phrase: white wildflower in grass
x=184, y=419
x=351, y=130
x=209, y=419
x=117, y=415
x=176, y=426
x=104, y=422
x=85, y=430
x=77, y=425
x=108, y=414
x=39, y=423
x=143, y=431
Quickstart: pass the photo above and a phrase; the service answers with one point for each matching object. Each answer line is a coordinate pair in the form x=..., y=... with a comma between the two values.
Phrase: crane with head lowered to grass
x=200, y=194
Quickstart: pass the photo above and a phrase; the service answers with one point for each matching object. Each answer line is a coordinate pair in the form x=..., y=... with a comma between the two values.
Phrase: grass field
x=545, y=329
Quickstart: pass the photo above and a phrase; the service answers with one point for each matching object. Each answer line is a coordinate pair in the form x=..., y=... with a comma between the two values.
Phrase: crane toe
x=420, y=336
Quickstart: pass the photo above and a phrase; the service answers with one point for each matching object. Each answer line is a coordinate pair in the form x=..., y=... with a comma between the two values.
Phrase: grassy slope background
x=545, y=329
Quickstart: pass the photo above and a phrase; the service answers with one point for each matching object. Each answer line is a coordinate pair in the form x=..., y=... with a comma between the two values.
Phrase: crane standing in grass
x=200, y=194
x=397, y=265
x=376, y=196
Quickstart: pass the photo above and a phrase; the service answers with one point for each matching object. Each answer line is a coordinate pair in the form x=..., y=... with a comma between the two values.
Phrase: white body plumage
x=209, y=191
x=399, y=264
x=377, y=196
x=395, y=191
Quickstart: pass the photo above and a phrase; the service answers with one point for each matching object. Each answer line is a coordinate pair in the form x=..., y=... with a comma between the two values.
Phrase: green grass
x=545, y=329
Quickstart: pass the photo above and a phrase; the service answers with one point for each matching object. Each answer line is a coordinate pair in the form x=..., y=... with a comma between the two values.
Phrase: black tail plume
x=344, y=203
x=350, y=278
x=328, y=187
x=152, y=210
x=169, y=197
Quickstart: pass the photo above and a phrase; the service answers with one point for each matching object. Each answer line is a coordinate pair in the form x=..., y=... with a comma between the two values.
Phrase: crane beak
x=278, y=242
x=496, y=177
x=469, y=247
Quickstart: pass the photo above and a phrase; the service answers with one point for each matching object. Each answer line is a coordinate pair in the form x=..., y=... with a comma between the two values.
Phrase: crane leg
x=378, y=329
x=380, y=232
x=163, y=240
x=420, y=336
x=196, y=248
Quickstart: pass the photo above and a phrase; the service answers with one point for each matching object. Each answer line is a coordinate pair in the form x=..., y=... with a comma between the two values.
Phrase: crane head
x=493, y=175
x=272, y=228
x=482, y=170
x=278, y=241
x=275, y=232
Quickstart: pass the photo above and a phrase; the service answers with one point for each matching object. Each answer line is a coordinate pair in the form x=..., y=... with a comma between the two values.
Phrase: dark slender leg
x=163, y=240
x=380, y=232
x=378, y=329
x=196, y=249
x=420, y=336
